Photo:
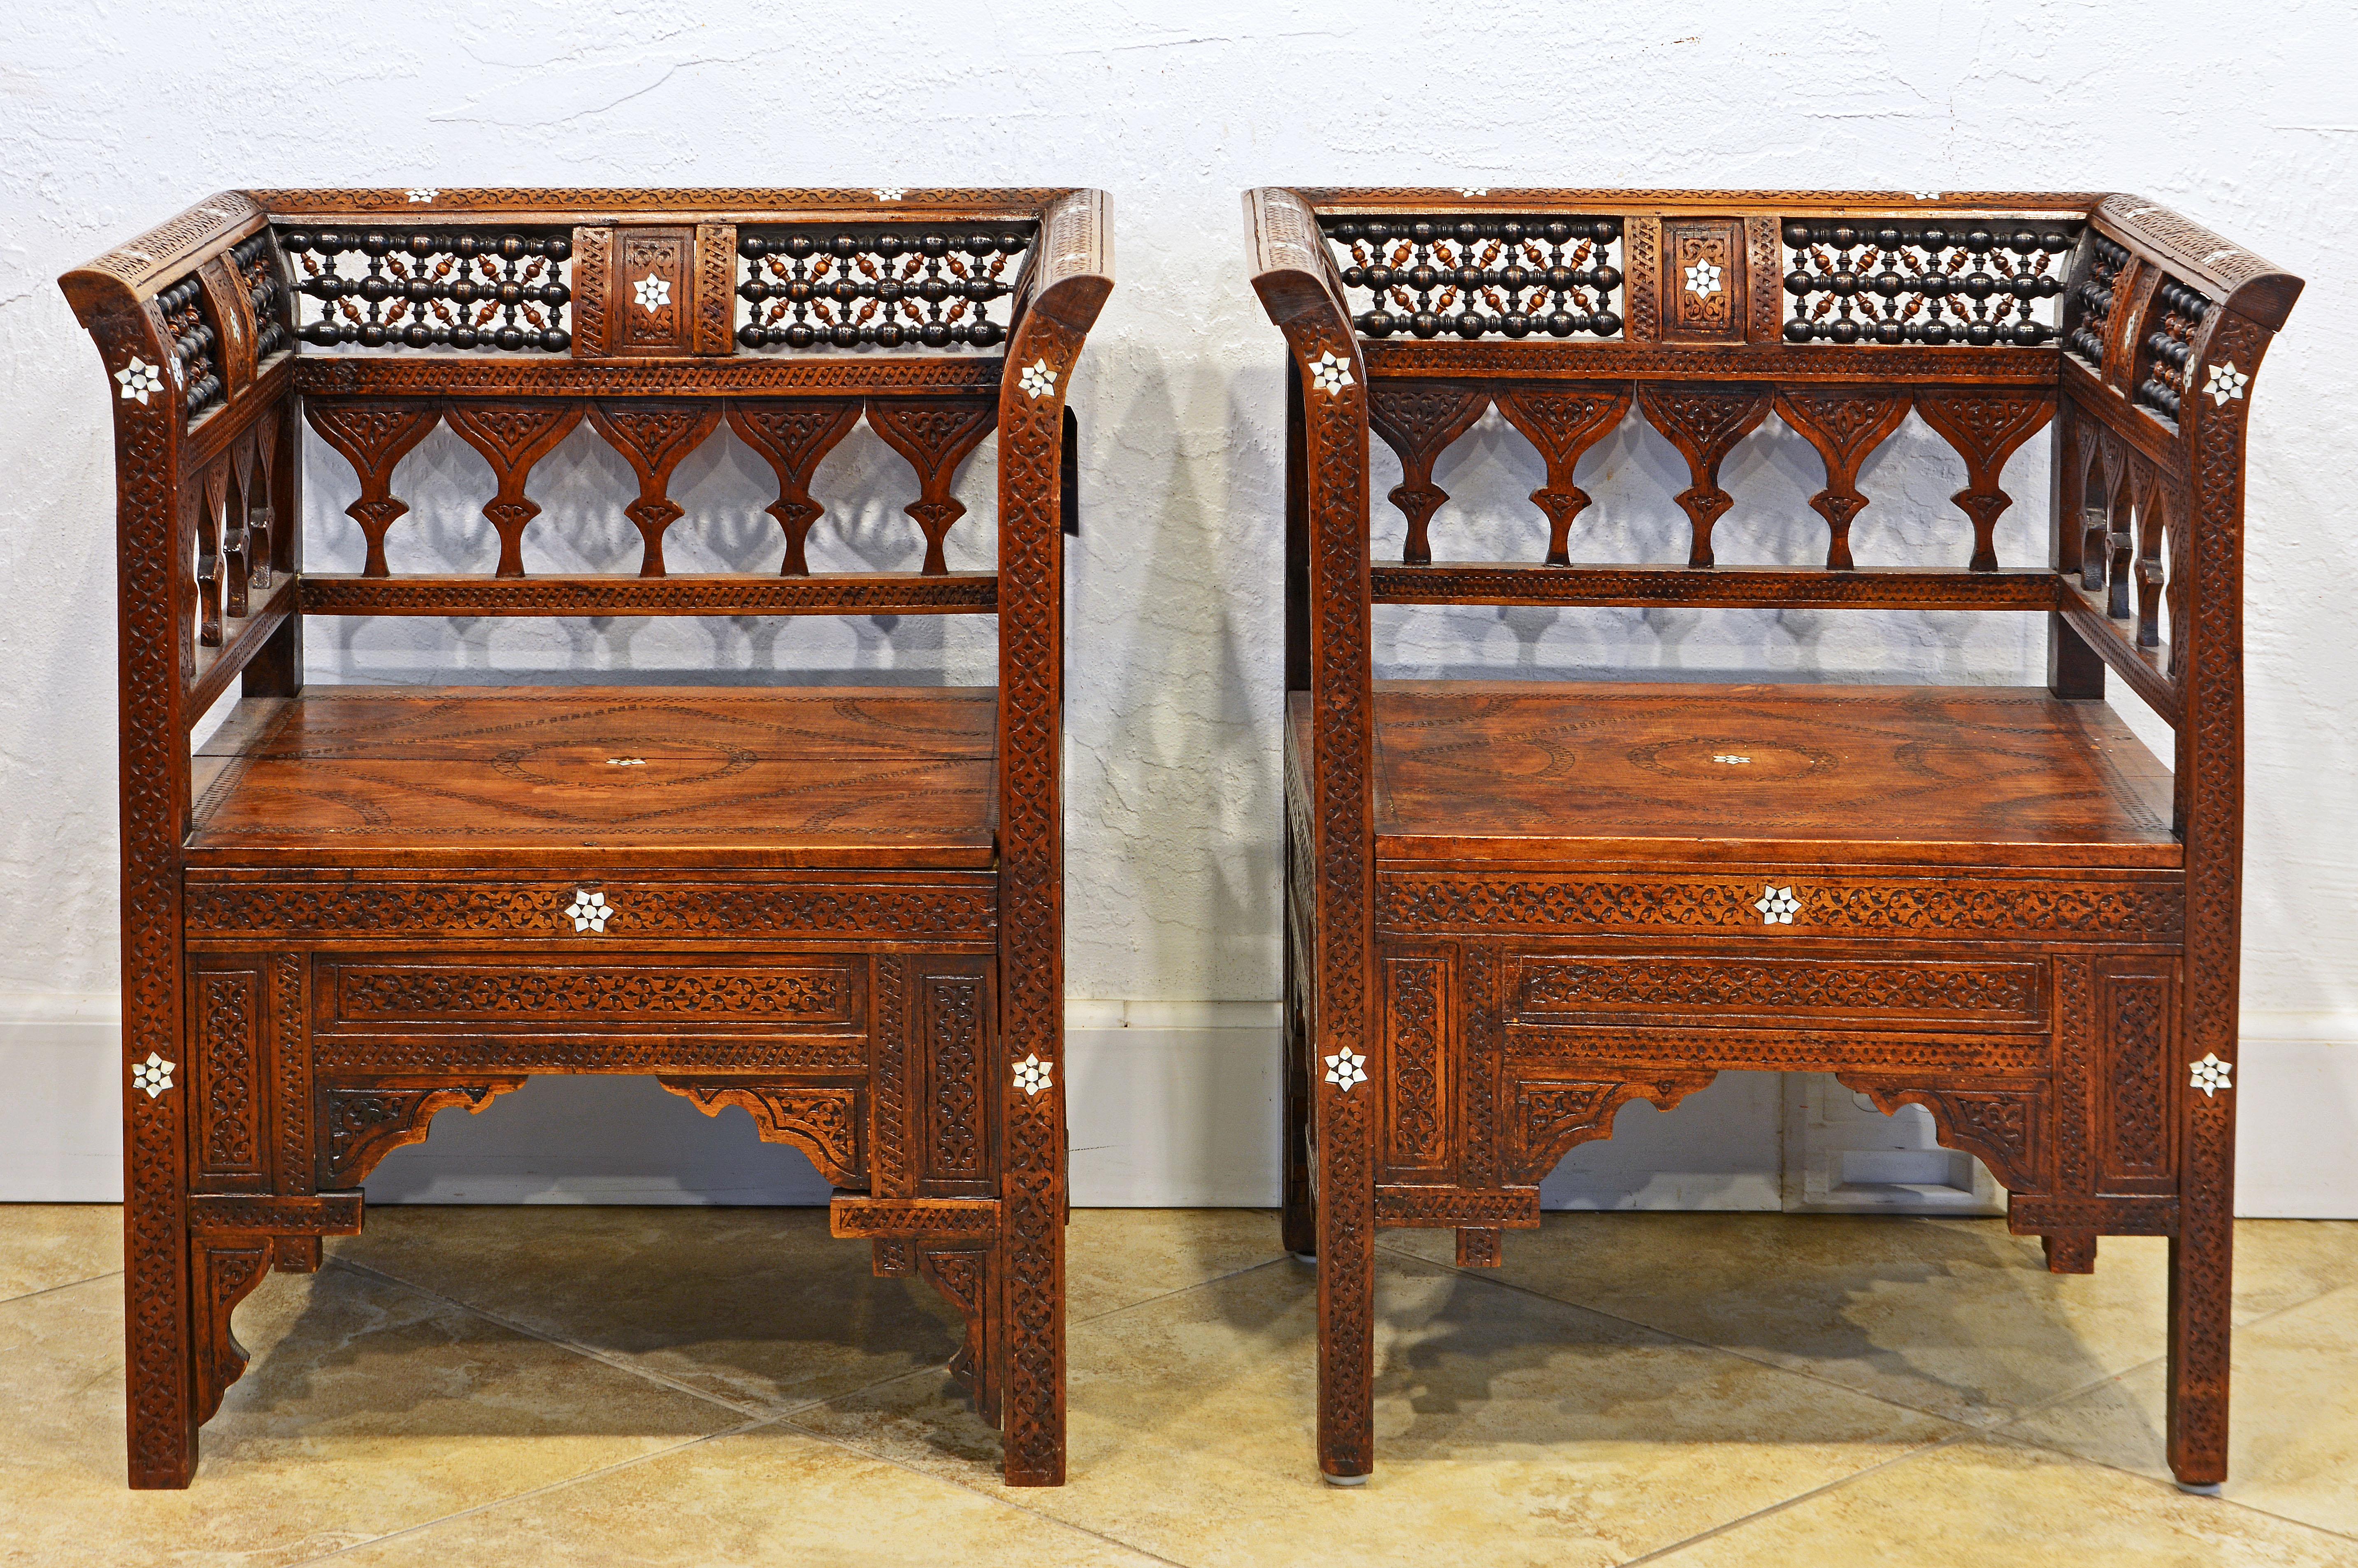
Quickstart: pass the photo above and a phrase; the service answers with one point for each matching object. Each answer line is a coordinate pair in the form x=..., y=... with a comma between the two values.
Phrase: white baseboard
x=1171, y=1104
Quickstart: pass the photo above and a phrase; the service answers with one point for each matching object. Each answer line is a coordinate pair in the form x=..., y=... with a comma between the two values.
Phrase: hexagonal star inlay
x=2224, y=382
x=137, y=378
x=1329, y=373
x=651, y=292
x=1037, y=380
x=590, y=910
x=1031, y=1075
x=154, y=1076
x=2212, y=1075
x=1347, y=1069
x=1703, y=279
x=1776, y=906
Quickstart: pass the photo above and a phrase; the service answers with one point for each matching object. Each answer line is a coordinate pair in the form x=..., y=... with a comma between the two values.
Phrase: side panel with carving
x=229, y=1026
x=950, y=1010
x=2137, y=1121
x=1420, y=1048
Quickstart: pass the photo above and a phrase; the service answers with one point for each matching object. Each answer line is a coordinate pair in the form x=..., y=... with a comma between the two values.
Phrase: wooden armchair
x=841, y=908
x=1514, y=907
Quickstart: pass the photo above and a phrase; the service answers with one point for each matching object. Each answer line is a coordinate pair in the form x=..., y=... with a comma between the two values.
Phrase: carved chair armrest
x=2248, y=285
x=1292, y=271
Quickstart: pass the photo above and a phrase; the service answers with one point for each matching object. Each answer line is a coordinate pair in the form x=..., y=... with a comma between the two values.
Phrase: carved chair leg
x=1347, y=1307
x=1478, y=1247
x=2200, y=1263
x=1028, y=1339
x=2070, y=1251
x=161, y=1331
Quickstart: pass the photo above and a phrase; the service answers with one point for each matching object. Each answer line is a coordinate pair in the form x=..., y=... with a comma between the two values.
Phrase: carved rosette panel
x=824, y=1123
x=1417, y=1040
x=1552, y=1116
x=366, y=1122
x=1703, y=280
x=653, y=282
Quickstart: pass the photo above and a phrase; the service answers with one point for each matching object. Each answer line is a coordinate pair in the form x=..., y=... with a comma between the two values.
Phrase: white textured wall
x=118, y=116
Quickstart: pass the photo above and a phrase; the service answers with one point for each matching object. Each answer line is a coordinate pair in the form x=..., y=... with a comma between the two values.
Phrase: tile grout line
x=967, y=1486
x=1798, y=1499
x=545, y=1488
x=61, y=1285
x=588, y=1352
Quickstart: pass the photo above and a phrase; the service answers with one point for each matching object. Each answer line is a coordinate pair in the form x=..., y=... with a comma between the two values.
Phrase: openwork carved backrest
x=2128, y=331
x=370, y=317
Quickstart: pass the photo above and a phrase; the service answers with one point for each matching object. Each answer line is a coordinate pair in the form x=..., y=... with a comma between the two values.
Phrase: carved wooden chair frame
x=1721, y=306
x=244, y=1144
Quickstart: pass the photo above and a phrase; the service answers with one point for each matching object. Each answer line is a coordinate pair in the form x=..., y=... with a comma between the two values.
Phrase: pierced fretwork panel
x=2088, y=312
x=877, y=287
x=195, y=344
x=231, y=537
x=1482, y=276
x=936, y=435
x=2177, y=315
x=2133, y=545
x=1977, y=281
x=473, y=291
x=1419, y=419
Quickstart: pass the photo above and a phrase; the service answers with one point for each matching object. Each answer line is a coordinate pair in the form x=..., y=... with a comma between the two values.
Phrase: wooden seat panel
x=851, y=776
x=1524, y=772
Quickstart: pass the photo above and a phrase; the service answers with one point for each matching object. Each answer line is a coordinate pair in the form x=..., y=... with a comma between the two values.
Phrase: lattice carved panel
x=1470, y=275
x=474, y=290
x=1958, y=280
x=879, y=287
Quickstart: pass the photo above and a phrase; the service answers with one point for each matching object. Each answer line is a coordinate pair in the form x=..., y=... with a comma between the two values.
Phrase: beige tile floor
x=559, y=1386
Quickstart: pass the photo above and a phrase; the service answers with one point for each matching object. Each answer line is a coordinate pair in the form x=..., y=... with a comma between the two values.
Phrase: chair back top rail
x=369, y=318
x=1991, y=315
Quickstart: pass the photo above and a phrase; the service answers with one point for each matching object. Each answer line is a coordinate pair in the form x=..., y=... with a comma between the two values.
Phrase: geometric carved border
x=824, y=1123
x=1552, y=1115
x=1475, y=903
x=2003, y=1121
